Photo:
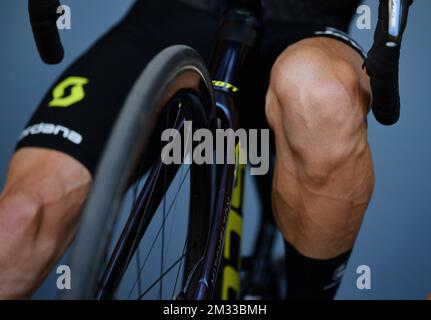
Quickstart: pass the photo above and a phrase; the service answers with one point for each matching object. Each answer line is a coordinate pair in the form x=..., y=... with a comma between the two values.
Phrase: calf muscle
x=39, y=210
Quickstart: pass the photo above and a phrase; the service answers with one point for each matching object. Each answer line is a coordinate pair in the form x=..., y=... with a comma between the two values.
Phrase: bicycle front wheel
x=139, y=209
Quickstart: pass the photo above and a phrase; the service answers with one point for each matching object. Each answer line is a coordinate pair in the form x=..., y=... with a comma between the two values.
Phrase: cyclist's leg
x=38, y=212
x=50, y=173
x=317, y=104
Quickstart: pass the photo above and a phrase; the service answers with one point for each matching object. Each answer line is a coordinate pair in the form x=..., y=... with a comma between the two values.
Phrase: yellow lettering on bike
x=231, y=250
x=234, y=224
x=77, y=92
x=227, y=86
x=231, y=279
x=218, y=83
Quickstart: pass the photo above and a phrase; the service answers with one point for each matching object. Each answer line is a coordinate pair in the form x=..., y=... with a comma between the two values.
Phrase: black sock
x=312, y=279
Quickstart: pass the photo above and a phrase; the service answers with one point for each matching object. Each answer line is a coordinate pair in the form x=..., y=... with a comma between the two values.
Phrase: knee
x=317, y=107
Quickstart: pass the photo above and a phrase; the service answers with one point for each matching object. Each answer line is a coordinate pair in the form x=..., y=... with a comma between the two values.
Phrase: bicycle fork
x=238, y=34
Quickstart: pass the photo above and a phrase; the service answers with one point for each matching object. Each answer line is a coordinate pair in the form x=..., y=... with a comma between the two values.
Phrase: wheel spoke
x=161, y=277
x=138, y=263
x=159, y=231
x=179, y=267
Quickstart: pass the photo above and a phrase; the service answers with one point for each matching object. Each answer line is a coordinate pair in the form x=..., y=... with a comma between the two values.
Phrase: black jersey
x=325, y=12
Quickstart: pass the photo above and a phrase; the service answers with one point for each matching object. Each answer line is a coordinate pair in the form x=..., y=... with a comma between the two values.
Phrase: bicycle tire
x=174, y=70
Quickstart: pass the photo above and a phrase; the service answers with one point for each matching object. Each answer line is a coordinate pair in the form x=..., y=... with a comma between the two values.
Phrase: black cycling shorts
x=79, y=110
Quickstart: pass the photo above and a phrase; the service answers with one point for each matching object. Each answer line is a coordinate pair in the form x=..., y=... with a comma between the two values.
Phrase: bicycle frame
x=238, y=34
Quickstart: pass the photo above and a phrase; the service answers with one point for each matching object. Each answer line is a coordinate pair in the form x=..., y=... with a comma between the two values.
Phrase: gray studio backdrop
x=396, y=235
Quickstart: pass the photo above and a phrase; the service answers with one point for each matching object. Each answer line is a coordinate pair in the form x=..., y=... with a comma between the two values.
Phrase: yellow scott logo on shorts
x=77, y=92
x=224, y=85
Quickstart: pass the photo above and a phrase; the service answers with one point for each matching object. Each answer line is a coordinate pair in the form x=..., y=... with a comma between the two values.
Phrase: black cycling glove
x=382, y=66
x=43, y=19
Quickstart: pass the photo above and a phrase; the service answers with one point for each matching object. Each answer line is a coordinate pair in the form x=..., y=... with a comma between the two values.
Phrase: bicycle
x=174, y=88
